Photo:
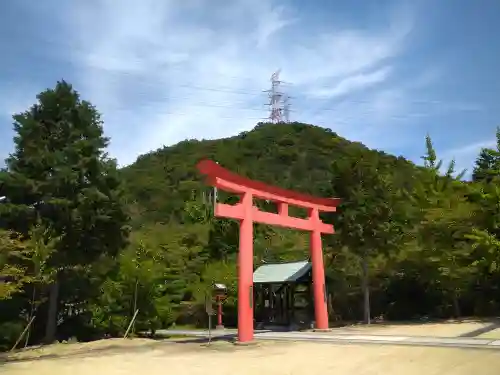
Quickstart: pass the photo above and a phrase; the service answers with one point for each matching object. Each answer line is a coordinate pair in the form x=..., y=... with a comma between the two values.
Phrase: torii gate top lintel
x=228, y=181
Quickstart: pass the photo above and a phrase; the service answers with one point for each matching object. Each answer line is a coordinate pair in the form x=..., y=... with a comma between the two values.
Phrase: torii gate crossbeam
x=246, y=213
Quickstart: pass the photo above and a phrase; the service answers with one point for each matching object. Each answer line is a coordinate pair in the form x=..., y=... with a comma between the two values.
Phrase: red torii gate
x=246, y=213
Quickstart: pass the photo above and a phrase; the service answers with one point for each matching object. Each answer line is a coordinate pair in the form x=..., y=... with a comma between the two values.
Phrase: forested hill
x=85, y=246
x=416, y=237
x=294, y=156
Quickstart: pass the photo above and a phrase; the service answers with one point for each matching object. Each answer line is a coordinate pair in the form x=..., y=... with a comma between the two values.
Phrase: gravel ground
x=127, y=357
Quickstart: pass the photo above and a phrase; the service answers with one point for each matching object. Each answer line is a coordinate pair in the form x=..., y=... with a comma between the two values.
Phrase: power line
x=279, y=102
x=255, y=93
x=201, y=115
x=282, y=109
x=227, y=105
x=167, y=67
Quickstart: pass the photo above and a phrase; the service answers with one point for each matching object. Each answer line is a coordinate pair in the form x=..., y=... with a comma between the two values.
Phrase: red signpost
x=246, y=213
x=219, y=312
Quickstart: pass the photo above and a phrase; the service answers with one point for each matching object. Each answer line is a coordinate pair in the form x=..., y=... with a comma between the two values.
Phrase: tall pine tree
x=61, y=177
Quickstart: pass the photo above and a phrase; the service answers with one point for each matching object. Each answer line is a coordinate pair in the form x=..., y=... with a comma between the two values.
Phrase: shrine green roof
x=281, y=272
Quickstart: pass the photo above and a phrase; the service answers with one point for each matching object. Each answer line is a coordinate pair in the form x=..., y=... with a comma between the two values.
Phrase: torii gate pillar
x=246, y=213
x=245, y=272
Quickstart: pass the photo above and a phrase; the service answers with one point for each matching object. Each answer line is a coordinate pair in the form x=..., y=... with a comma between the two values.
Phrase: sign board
x=210, y=311
x=208, y=306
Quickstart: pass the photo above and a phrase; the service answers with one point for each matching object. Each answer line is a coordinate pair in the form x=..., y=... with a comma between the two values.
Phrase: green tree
x=444, y=233
x=488, y=162
x=444, y=216
x=14, y=257
x=60, y=176
x=485, y=241
x=139, y=284
x=41, y=244
x=368, y=223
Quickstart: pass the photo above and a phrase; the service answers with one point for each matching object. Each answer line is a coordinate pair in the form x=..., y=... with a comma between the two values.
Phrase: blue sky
x=381, y=72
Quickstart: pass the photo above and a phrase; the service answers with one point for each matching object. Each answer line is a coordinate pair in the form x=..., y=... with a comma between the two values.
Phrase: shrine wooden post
x=247, y=214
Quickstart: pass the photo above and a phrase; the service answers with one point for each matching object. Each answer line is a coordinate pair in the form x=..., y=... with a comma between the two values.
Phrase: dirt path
x=266, y=358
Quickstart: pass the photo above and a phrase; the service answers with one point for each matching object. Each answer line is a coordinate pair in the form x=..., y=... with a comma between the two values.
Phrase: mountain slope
x=293, y=156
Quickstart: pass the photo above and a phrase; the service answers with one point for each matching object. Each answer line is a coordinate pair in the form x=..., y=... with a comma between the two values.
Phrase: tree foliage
x=60, y=178
x=14, y=258
x=86, y=245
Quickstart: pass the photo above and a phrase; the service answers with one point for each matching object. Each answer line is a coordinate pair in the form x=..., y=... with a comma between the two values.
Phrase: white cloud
x=165, y=70
x=353, y=83
x=469, y=149
x=463, y=155
x=269, y=22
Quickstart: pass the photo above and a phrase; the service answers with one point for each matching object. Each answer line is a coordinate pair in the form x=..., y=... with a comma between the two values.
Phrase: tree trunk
x=51, y=326
x=32, y=312
x=135, y=302
x=135, y=294
x=366, y=290
x=456, y=304
x=331, y=312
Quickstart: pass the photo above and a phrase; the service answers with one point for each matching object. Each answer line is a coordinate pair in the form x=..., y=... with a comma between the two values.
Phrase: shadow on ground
x=85, y=351
x=493, y=324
